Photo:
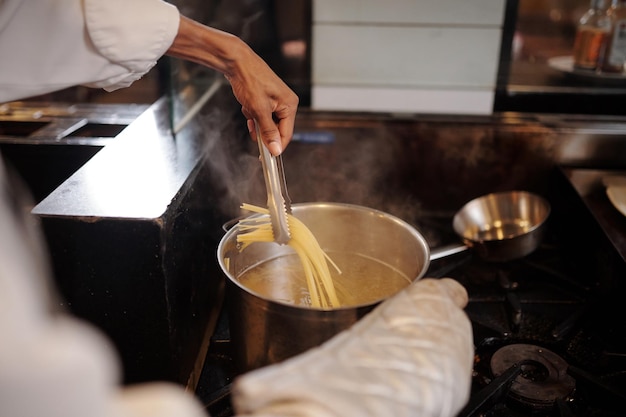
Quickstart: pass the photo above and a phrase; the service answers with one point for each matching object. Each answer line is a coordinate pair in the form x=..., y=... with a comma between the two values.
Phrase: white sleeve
x=53, y=364
x=48, y=45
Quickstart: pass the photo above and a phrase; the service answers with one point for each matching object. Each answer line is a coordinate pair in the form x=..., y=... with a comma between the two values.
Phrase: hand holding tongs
x=278, y=201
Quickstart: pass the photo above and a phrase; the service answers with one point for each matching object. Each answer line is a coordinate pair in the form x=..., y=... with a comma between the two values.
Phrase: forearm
x=206, y=46
x=265, y=99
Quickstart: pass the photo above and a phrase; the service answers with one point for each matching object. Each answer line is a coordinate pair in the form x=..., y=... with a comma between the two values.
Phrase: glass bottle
x=592, y=33
x=615, y=54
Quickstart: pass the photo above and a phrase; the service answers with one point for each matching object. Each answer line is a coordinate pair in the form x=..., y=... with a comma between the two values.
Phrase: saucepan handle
x=447, y=250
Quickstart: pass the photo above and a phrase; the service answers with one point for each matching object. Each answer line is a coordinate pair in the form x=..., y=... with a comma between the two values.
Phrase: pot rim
x=411, y=229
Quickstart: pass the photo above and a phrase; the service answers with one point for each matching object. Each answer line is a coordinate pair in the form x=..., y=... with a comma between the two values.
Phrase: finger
x=285, y=127
x=251, y=129
x=270, y=135
x=285, y=114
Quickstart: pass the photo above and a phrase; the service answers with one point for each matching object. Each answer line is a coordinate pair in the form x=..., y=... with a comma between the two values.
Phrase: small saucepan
x=499, y=227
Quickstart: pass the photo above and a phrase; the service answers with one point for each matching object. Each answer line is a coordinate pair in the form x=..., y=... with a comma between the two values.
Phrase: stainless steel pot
x=499, y=227
x=265, y=331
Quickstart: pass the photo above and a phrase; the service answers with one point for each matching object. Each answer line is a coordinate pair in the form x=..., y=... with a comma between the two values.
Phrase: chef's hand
x=411, y=356
x=263, y=96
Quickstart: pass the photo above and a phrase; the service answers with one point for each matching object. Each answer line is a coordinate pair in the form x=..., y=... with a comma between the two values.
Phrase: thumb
x=267, y=131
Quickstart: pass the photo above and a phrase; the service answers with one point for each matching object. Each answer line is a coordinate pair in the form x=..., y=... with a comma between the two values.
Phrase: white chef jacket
x=49, y=45
x=55, y=365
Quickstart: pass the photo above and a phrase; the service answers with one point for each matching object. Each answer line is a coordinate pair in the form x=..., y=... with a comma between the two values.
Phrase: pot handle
x=447, y=250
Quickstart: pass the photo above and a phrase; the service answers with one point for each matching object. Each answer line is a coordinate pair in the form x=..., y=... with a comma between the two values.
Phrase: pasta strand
x=313, y=258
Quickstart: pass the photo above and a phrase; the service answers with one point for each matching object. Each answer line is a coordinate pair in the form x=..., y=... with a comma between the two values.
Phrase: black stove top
x=545, y=343
x=549, y=338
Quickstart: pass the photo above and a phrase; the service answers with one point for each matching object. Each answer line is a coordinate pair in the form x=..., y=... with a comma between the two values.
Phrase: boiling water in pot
x=363, y=280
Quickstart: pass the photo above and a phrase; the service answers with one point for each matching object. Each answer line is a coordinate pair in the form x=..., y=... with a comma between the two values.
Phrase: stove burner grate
x=543, y=379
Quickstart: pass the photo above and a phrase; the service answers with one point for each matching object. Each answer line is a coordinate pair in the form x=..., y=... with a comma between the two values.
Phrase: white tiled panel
x=434, y=56
x=462, y=12
x=403, y=100
x=405, y=56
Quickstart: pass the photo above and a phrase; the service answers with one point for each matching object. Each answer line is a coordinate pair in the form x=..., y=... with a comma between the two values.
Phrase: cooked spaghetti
x=312, y=257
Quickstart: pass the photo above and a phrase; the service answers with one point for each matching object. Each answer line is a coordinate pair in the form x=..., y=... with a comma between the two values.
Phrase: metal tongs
x=278, y=201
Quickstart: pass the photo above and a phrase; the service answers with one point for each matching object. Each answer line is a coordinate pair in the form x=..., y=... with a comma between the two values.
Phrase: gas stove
x=546, y=334
x=545, y=343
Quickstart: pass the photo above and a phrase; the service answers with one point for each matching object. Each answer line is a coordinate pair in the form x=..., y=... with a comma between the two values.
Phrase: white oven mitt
x=411, y=356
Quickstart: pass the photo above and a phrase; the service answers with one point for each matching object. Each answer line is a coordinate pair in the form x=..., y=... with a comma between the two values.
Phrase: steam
x=234, y=167
x=360, y=166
